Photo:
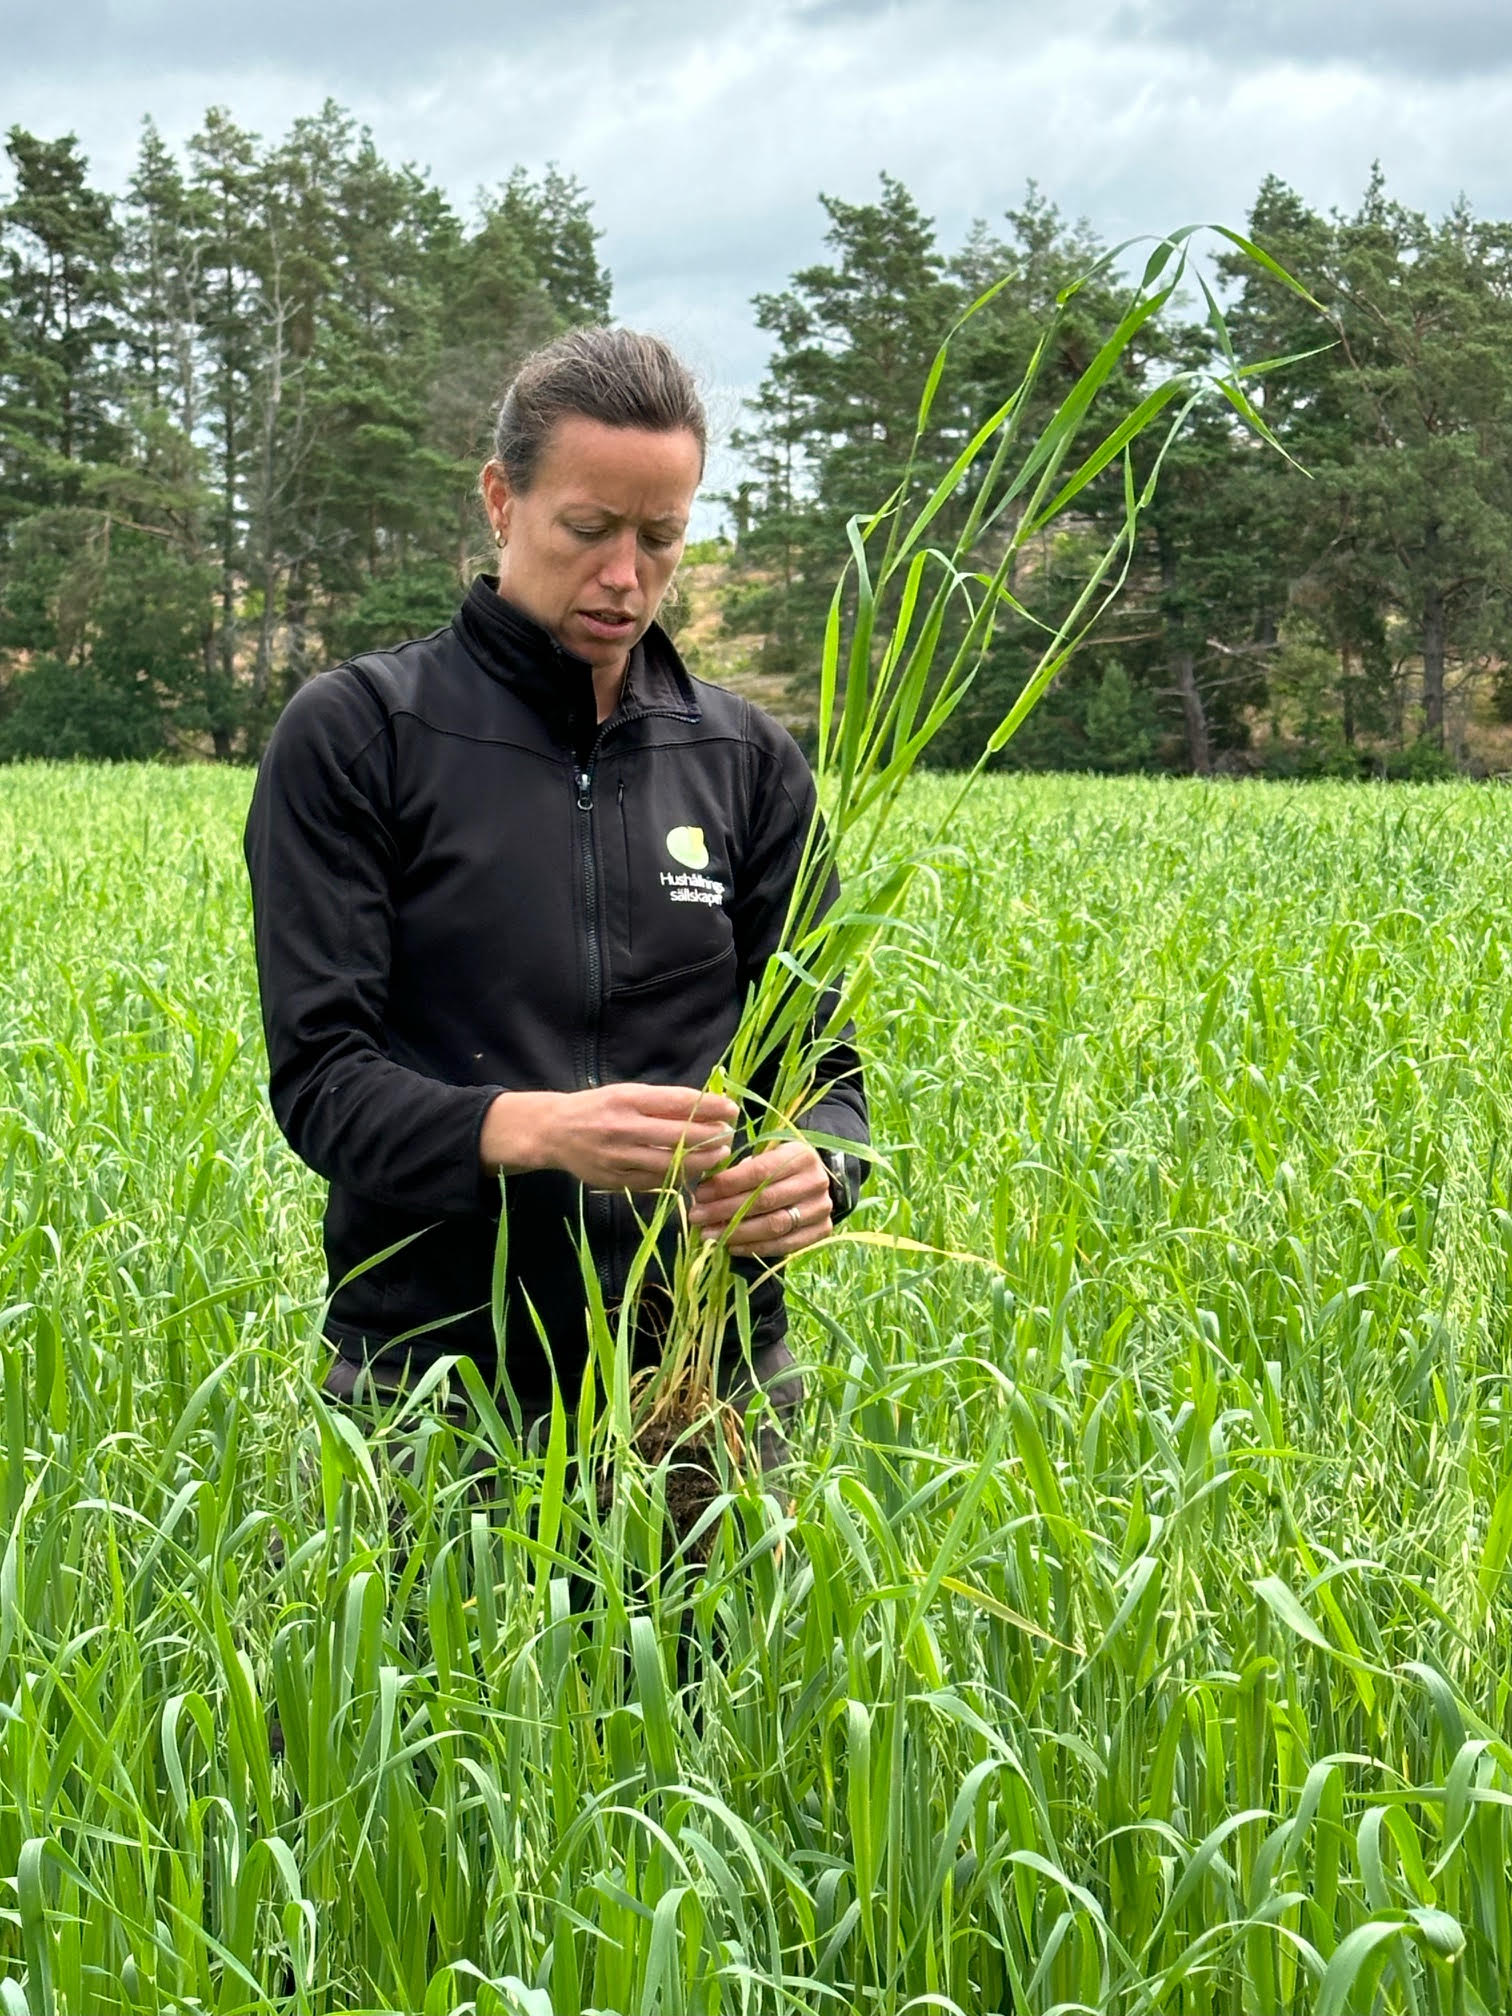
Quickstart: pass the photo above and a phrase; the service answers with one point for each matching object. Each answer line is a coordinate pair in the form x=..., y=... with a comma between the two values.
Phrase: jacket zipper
x=598, y=1206
x=594, y=986
x=629, y=878
x=597, y=1209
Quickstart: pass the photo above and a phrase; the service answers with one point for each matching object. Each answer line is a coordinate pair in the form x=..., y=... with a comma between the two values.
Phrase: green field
x=1137, y=1638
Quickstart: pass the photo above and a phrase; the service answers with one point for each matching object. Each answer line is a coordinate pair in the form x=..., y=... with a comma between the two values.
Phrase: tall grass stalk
x=892, y=674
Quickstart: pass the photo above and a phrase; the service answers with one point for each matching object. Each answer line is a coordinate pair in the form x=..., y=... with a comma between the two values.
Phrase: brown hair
x=619, y=376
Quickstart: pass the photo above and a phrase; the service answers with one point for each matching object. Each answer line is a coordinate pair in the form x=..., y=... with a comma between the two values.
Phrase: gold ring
x=795, y=1216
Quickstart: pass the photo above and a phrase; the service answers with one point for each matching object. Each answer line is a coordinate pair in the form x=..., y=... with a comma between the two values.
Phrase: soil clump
x=693, y=1476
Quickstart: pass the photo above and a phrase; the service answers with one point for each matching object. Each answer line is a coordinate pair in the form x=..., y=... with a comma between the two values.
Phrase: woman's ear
x=497, y=500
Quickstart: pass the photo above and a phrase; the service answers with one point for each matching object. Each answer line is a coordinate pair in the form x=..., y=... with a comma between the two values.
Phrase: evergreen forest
x=243, y=402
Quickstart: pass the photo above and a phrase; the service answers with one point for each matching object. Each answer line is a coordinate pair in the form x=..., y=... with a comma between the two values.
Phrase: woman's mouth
x=607, y=623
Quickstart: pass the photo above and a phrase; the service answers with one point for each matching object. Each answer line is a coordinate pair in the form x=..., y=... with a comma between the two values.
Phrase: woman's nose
x=617, y=569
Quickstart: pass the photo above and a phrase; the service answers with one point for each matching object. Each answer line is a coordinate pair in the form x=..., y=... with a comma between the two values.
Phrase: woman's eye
x=656, y=542
x=586, y=531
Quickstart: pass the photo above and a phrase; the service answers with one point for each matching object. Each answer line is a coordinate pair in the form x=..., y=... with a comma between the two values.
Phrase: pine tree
x=241, y=418
x=92, y=613
x=836, y=415
x=226, y=187
x=1331, y=601
x=59, y=244
x=527, y=271
x=1426, y=335
x=552, y=221
x=1397, y=543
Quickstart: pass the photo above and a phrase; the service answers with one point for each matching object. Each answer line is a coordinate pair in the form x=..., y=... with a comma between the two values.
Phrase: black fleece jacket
x=463, y=884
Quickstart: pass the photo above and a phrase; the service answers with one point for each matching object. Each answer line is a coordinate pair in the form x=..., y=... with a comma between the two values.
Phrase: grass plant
x=911, y=622
x=1135, y=1639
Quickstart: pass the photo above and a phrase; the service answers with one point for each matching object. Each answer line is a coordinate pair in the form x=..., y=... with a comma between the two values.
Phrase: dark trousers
x=771, y=1372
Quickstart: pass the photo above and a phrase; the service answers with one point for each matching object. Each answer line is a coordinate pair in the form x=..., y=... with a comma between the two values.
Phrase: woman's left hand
x=791, y=1212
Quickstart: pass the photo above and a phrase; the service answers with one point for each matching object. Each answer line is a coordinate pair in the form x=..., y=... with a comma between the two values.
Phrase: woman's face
x=590, y=547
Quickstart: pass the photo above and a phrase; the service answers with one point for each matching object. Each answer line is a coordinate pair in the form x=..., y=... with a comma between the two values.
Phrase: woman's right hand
x=615, y=1137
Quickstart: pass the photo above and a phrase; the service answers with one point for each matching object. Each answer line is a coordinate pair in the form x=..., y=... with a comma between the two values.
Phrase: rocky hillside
x=714, y=651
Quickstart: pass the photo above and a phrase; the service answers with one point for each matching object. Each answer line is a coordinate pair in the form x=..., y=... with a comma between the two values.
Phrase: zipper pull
x=620, y=795
x=585, y=790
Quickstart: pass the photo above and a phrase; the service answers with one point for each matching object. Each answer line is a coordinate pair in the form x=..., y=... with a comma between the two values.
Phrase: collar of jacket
x=558, y=685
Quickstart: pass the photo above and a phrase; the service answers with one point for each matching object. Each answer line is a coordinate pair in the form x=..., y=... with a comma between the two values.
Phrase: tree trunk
x=229, y=451
x=262, y=663
x=262, y=528
x=297, y=620
x=1183, y=666
x=464, y=541
x=1346, y=697
x=1434, y=647
x=1193, y=714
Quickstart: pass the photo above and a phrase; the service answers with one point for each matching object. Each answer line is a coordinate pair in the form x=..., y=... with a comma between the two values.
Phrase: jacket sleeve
x=782, y=808
x=321, y=854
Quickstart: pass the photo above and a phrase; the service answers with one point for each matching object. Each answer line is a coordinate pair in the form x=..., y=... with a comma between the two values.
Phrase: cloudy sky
x=705, y=132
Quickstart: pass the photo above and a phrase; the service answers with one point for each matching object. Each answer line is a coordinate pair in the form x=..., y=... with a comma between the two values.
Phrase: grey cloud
x=352, y=43
x=1436, y=38
x=704, y=134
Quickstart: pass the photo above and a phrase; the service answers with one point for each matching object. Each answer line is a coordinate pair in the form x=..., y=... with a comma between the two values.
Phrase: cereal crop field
x=1135, y=1636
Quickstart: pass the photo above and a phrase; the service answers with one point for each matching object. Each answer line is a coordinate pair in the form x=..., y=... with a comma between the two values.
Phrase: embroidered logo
x=686, y=846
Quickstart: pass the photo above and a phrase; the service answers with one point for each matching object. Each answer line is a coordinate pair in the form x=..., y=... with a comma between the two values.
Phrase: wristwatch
x=844, y=1172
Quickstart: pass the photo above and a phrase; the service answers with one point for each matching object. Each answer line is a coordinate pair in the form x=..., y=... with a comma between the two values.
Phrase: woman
x=511, y=883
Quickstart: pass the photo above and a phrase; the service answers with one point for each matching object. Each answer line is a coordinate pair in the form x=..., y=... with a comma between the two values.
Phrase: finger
x=707, y=1153
x=716, y=1107
x=638, y=1132
x=716, y=1202
x=682, y=1102
x=767, y=1205
x=655, y=1162
x=697, y=1134
x=693, y=1166
x=728, y=1185
x=751, y=1244
x=777, y=1213
x=716, y=1141
x=786, y=1156
x=754, y=1171
x=708, y=1148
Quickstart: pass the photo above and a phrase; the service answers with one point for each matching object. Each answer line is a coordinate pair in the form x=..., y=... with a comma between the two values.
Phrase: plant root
x=687, y=1440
